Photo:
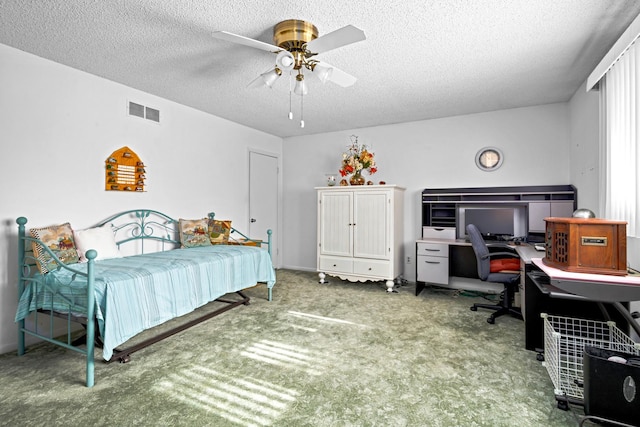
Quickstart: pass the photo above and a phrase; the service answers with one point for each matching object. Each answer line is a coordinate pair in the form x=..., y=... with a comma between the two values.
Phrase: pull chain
x=301, y=111
x=290, y=94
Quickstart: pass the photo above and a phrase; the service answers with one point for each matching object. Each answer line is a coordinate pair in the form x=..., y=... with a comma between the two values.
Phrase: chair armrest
x=510, y=250
x=500, y=246
x=509, y=254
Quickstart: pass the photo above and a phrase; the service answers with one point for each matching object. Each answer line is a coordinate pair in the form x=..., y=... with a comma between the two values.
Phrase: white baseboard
x=298, y=268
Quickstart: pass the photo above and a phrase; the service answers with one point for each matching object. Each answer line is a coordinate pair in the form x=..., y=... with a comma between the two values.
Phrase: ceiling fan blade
x=257, y=44
x=336, y=75
x=335, y=39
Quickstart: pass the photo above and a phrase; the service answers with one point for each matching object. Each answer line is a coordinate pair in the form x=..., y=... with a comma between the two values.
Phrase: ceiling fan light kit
x=296, y=42
x=301, y=85
x=285, y=60
x=294, y=34
x=270, y=77
x=323, y=71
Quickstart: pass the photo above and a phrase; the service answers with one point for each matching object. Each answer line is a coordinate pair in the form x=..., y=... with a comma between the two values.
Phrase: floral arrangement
x=357, y=159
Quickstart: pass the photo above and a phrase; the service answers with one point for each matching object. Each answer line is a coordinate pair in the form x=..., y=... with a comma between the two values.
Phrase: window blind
x=620, y=105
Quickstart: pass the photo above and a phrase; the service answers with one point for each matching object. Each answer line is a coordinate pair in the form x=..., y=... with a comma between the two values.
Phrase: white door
x=263, y=199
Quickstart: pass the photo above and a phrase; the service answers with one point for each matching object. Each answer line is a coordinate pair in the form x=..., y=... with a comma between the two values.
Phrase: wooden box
x=586, y=245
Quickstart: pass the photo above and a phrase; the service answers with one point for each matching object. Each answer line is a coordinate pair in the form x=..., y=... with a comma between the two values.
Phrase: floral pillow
x=219, y=231
x=59, y=239
x=193, y=232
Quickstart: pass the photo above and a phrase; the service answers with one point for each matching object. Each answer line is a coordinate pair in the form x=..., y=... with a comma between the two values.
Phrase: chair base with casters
x=505, y=306
x=509, y=280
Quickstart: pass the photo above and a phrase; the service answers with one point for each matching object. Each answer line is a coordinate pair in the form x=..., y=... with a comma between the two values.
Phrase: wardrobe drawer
x=372, y=268
x=338, y=265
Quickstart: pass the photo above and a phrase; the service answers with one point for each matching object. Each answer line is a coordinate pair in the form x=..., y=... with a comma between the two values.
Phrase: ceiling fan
x=296, y=43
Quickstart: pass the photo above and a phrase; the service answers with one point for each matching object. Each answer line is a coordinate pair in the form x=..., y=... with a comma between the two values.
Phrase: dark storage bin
x=611, y=389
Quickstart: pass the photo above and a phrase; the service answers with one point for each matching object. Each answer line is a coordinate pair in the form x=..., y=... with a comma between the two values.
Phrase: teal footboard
x=30, y=278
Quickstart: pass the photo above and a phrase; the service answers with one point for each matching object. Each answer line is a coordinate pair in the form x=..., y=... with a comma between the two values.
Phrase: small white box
x=448, y=233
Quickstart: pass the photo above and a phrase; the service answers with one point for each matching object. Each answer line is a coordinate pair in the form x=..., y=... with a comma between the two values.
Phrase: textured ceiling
x=422, y=59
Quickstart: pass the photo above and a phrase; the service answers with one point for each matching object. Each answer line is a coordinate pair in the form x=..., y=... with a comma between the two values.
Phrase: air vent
x=144, y=112
x=152, y=114
x=136, y=110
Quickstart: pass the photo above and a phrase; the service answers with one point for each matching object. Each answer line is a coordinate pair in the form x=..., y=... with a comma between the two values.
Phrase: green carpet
x=338, y=354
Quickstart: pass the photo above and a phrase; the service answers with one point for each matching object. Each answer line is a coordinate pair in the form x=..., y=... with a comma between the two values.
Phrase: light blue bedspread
x=139, y=292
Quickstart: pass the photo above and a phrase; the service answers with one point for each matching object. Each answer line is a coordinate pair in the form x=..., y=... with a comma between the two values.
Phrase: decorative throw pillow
x=219, y=231
x=101, y=239
x=193, y=232
x=508, y=264
x=59, y=239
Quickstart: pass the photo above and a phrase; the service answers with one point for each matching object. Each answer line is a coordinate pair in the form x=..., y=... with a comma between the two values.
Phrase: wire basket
x=564, y=342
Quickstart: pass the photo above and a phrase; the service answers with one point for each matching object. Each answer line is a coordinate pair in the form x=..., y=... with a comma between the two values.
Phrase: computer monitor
x=494, y=222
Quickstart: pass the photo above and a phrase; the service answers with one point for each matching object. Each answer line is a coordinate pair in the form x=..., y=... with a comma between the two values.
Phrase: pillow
x=498, y=265
x=59, y=239
x=101, y=239
x=193, y=232
x=219, y=231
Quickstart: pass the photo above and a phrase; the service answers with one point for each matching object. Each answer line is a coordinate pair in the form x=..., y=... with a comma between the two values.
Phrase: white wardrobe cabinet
x=360, y=233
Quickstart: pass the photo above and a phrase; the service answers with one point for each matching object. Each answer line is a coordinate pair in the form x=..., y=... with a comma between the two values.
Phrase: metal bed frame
x=140, y=225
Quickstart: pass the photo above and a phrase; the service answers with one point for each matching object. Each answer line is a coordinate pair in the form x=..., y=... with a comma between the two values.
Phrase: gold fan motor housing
x=293, y=34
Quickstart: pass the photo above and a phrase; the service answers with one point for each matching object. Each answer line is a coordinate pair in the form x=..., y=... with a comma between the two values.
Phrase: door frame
x=276, y=250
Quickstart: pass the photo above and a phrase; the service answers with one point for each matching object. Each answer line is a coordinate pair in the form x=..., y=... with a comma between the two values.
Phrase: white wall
x=426, y=154
x=584, y=116
x=63, y=123
x=584, y=119
x=584, y=157
x=57, y=127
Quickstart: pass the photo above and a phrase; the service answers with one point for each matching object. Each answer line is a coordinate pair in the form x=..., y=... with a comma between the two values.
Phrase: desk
x=600, y=288
x=443, y=261
x=585, y=296
x=596, y=287
x=437, y=258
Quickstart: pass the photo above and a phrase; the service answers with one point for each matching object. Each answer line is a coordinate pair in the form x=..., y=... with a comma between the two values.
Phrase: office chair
x=510, y=280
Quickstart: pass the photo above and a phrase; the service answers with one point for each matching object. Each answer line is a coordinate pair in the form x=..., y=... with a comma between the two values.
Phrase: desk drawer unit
x=432, y=262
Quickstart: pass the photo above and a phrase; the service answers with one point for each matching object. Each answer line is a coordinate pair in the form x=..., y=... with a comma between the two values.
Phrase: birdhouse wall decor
x=124, y=171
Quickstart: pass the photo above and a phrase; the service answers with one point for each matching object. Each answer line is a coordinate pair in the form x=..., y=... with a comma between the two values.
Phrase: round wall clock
x=489, y=158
